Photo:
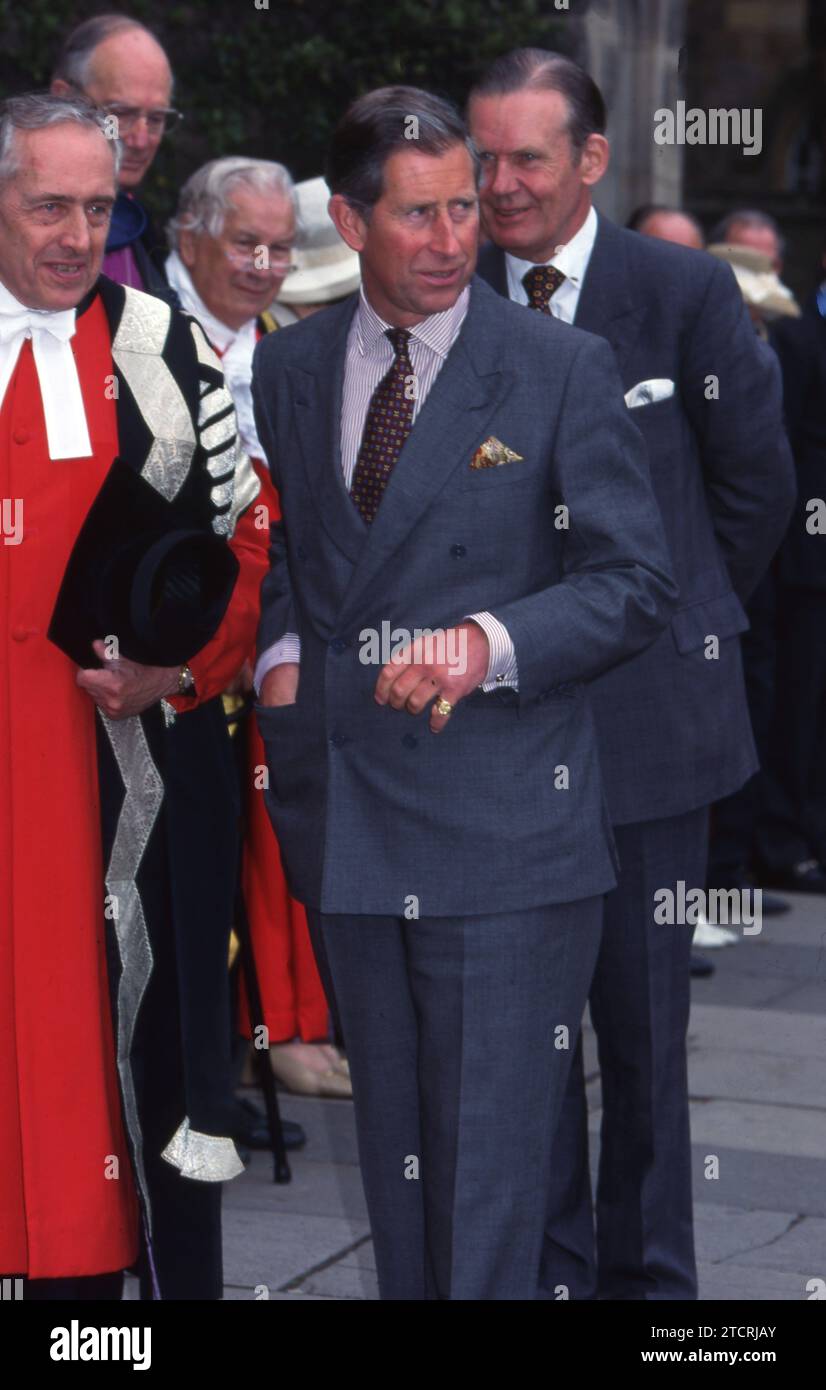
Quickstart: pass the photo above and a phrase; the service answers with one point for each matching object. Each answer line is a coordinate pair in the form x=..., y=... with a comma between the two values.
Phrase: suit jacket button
x=338, y=740
x=410, y=741
x=338, y=645
x=458, y=551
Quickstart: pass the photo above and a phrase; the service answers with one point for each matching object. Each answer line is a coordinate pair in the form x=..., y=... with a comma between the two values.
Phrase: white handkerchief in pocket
x=648, y=392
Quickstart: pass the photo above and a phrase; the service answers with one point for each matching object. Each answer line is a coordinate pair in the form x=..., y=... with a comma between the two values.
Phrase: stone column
x=632, y=49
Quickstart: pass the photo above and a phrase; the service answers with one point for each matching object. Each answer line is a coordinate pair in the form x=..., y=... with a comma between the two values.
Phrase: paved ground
x=758, y=1100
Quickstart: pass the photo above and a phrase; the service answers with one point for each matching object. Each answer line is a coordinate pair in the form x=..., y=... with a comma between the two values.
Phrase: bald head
x=759, y=236
x=672, y=226
x=125, y=70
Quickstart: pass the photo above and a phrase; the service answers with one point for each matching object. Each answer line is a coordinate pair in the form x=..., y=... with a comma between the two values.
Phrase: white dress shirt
x=571, y=259
x=51, y=332
x=369, y=356
x=235, y=346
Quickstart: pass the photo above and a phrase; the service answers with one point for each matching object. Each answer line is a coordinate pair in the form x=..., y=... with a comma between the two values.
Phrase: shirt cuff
x=502, y=667
x=287, y=648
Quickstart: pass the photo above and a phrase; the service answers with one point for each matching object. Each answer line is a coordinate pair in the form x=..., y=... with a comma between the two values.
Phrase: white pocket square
x=647, y=392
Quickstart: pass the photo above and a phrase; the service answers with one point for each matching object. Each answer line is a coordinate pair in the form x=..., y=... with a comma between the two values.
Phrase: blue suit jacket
x=371, y=809
x=673, y=723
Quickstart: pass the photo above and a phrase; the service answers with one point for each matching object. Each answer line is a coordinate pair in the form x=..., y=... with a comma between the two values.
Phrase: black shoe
x=770, y=906
x=253, y=1131
x=740, y=879
x=808, y=876
x=701, y=966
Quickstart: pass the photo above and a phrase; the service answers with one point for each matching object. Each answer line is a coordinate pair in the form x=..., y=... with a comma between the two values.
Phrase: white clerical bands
x=51, y=333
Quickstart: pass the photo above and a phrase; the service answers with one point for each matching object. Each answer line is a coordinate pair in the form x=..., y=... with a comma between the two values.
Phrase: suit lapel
x=451, y=424
x=135, y=437
x=317, y=388
x=606, y=304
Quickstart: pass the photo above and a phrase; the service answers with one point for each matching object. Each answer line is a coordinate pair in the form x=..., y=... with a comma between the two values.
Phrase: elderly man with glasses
x=232, y=237
x=119, y=65
x=231, y=240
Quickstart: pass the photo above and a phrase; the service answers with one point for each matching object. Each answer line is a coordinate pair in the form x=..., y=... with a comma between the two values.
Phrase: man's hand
x=409, y=682
x=125, y=687
x=280, y=684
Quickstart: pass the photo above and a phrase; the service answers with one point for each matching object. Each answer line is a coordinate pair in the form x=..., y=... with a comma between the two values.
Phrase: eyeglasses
x=278, y=262
x=158, y=123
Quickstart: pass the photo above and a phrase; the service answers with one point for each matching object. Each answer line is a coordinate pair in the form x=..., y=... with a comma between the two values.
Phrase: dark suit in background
x=674, y=737
x=792, y=827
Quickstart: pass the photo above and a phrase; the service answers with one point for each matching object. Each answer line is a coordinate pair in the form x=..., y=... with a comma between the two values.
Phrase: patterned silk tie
x=389, y=422
x=540, y=282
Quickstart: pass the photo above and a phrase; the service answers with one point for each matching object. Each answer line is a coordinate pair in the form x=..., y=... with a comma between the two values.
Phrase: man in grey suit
x=438, y=804
x=673, y=724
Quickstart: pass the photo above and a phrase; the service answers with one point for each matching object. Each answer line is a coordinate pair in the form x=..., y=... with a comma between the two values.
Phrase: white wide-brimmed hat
x=761, y=286
x=326, y=268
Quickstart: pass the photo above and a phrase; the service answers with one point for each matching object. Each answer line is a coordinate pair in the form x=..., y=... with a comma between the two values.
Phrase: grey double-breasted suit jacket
x=504, y=810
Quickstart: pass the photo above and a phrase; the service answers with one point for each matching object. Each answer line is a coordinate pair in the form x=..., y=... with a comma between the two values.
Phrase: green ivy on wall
x=272, y=81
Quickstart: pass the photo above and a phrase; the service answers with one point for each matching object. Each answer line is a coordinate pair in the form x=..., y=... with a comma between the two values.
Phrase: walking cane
x=281, y=1167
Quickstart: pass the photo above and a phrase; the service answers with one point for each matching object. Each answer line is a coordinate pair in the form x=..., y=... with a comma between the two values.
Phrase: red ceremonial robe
x=292, y=995
x=67, y=1202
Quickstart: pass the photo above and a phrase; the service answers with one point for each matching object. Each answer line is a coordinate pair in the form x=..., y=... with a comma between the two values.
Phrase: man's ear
x=59, y=88
x=349, y=222
x=593, y=161
x=186, y=248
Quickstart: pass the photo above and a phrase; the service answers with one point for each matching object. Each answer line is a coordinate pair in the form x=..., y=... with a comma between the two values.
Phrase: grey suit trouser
x=459, y=1033
x=640, y=1000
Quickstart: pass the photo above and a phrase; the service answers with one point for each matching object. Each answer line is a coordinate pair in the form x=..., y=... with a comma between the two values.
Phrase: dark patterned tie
x=540, y=282
x=389, y=422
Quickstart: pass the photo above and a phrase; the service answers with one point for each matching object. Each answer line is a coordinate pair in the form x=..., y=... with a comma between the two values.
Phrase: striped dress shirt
x=369, y=357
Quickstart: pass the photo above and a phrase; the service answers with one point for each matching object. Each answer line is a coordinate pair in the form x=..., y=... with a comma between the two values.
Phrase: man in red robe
x=112, y=982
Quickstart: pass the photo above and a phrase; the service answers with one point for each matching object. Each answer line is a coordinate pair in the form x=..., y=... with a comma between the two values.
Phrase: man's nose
x=76, y=234
x=443, y=236
x=138, y=137
x=498, y=178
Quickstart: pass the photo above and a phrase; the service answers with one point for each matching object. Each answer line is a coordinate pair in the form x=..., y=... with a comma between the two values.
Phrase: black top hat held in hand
x=137, y=572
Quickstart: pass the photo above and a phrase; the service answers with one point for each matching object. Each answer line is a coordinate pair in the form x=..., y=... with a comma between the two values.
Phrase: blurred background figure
x=766, y=297
x=119, y=65
x=753, y=245
x=325, y=269
x=232, y=238
x=754, y=229
x=791, y=831
x=669, y=224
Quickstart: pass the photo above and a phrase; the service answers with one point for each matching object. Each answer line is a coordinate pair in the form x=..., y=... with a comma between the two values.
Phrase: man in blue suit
x=674, y=733
x=445, y=468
